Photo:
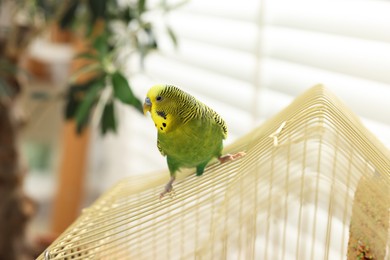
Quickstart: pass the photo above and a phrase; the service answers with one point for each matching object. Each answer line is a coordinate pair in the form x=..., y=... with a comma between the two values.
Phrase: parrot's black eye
x=159, y=98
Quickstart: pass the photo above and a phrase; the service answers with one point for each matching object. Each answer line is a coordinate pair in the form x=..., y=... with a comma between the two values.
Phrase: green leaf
x=75, y=95
x=84, y=109
x=152, y=43
x=70, y=13
x=101, y=45
x=98, y=9
x=108, y=120
x=173, y=37
x=72, y=100
x=123, y=92
x=141, y=6
x=127, y=15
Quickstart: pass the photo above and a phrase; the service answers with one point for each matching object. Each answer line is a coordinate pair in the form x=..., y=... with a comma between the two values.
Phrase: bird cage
x=314, y=184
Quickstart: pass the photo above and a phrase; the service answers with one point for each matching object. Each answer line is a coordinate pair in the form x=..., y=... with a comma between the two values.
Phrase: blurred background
x=67, y=69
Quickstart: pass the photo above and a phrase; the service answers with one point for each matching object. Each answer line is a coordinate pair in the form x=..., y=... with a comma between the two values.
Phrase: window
x=249, y=59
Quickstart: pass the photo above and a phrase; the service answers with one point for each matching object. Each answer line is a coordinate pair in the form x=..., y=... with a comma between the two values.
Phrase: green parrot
x=189, y=133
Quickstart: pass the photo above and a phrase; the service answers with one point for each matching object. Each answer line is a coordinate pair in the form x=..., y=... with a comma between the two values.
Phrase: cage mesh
x=314, y=184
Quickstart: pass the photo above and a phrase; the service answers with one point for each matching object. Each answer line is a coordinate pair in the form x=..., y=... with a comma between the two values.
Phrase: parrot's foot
x=168, y=187
x=231, y=157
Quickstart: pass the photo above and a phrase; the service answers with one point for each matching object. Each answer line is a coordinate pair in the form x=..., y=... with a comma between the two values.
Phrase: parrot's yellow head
x=163, y=102
x=153, y=98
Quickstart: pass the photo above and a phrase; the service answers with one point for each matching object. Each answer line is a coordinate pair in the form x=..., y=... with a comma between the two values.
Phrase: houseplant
x=95, y=23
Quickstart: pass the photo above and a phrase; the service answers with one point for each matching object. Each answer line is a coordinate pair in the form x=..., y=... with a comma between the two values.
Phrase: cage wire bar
x=314, y=184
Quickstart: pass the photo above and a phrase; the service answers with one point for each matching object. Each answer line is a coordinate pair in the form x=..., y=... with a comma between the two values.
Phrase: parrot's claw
x=231, y=157
x=168, y=189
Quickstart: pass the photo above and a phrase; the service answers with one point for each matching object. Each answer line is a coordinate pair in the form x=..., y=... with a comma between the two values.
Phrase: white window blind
x=249, y=59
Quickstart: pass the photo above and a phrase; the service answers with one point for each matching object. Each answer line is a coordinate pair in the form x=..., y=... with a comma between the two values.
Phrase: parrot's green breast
x=193, y=144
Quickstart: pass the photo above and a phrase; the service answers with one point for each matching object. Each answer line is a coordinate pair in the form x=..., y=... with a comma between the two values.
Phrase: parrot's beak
x=147, y=105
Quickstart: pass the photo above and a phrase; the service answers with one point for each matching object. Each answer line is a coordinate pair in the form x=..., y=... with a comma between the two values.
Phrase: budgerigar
x=190, y=134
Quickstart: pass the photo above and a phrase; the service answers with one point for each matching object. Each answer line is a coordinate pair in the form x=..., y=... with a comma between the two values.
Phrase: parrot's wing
x=210, y=114
x=221, y=123
x=159, y=148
